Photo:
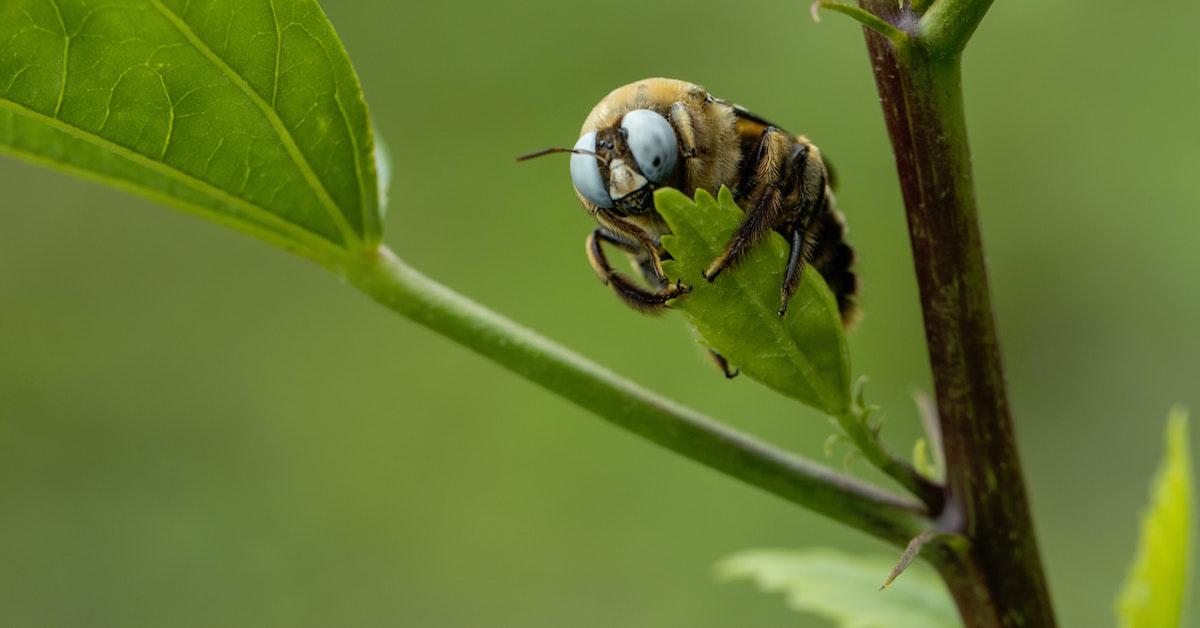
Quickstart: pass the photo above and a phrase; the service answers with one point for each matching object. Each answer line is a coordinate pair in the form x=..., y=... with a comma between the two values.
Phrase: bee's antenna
x=550, y=151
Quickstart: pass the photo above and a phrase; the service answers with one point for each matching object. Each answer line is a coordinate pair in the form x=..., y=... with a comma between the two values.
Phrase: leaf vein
x=325, y=255
x=278, y=53
x=318, y=187
x=299, y=233
x=358, y=171
x=62, y=83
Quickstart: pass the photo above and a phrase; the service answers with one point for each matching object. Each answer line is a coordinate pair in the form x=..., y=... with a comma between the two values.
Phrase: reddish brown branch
x=997, y=579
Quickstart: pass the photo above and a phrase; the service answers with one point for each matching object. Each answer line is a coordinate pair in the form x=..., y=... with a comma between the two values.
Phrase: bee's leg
x=779, y=163
x=681, y=120
x=722, y=363
x=627, y=290
x=646, y=267
x=803, y=243
x=634, y=233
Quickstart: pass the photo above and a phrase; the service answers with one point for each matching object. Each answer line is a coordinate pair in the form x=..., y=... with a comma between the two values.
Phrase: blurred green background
x=197, y=430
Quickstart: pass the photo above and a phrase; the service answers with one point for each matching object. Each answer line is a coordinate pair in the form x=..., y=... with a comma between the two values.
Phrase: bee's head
x=618, y=167
x=631, y=157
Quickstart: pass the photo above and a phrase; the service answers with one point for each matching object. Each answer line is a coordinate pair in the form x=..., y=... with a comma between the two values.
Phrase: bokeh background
x=198, y=430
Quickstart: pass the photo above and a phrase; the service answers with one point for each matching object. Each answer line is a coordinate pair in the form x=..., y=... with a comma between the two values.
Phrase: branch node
x=946, y=25
x=858, y=428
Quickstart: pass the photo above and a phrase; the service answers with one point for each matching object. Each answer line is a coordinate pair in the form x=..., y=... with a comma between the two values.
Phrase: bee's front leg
x=632, y=294
x=681, y=121
x=636, y=241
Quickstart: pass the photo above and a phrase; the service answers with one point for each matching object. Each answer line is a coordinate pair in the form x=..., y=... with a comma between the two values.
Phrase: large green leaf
x=245, y=111
x=845, y=588
x=802, y=355
x=1155, y=590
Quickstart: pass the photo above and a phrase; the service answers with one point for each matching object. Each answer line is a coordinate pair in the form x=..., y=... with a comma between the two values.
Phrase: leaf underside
x=845, y=589
x=802, y=355
x=1155, y=590
x=245, y=111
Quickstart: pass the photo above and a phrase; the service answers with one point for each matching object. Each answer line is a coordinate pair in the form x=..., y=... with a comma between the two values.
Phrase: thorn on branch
x=910, y=553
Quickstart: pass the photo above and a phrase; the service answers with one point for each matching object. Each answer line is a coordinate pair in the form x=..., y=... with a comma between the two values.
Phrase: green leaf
x=383, y=168
x=245, y=111
x=921, y=461
x=803, y=355
x=1155, y=589
x=845, y=588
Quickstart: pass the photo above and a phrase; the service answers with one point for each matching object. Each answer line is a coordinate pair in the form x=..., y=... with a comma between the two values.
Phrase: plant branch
x=918, y=6
x=402, y=289
x=947, y=25
x=998, y=581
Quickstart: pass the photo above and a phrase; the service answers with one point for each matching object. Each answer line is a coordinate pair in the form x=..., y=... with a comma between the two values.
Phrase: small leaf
x=383, y=168
x=802, y=355
x=831, y=443
x=927, y=409
x=845, y=588
x=1155, y=589
x=245, y=111
x=921, y=460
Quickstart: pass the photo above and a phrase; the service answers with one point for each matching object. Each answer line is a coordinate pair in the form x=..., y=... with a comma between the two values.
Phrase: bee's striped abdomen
x=834, y=258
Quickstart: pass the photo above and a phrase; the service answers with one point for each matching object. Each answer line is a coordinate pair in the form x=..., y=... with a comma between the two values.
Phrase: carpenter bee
x=667, y=133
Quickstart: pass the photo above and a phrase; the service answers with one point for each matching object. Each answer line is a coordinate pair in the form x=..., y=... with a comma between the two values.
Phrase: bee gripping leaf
x=247, y=112
x=802, y=355
x=1155, y=589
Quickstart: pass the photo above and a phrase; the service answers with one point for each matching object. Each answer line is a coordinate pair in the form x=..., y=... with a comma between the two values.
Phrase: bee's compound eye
x=585, y=172
x=652, y=142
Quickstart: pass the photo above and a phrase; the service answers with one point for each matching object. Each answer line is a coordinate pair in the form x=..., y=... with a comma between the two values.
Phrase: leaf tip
x=725, y=196
x=670, y=195
x=704, y=198
x=1155, y=589
x=1177, y=427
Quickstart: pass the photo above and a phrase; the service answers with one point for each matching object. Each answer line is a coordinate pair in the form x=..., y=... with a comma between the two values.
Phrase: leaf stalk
x=399, y=287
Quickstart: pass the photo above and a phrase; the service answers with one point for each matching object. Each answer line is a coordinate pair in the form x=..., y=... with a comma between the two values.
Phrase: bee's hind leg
x=632, y=294
x=803, y=243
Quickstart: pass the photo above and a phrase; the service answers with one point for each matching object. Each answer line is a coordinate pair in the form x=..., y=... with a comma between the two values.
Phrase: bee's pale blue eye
x=585, y=172
x=652, y=142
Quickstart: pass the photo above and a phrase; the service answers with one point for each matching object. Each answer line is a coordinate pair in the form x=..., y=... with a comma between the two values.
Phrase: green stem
x=401, y=288
x=997, y=580
x=865, y=438
x=947, y=25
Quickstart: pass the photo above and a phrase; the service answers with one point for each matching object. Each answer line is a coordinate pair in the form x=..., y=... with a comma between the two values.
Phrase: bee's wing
x=750, y=127
x=744, y=114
